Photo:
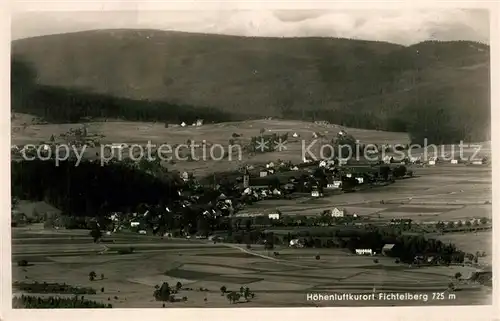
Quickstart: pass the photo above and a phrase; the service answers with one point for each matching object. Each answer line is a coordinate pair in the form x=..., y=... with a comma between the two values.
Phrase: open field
x=283, y=281
x=141, y=133
x=450, y=195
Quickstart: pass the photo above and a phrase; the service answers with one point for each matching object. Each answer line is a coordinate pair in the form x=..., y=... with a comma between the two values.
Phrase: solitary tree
x=223, y=289
x=96, y=234
x=458, y=275
x=92, y=276
x=246, y=293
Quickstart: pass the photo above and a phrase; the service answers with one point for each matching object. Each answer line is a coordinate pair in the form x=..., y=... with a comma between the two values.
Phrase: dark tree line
x=89, y=189
x=33, y=302
x=406, y=247
x=58, y=104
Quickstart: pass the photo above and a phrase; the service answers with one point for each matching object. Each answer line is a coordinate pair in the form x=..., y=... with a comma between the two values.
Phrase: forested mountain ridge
x=439, y=90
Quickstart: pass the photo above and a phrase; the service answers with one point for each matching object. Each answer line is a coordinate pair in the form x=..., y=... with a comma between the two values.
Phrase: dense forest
x=90, y=189
x=437, y=90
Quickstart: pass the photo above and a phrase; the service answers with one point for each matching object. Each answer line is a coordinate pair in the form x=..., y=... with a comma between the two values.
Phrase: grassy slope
x=261, y=74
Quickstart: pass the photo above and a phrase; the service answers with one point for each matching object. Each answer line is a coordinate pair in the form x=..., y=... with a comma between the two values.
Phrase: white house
x=337, y=212
x=185, y=176
x=296, y=243
x=360, y=180
x=183, y=124
x=315, y=135
x=295, y=135
x=143, y=232
x=477, y=162
x=348, y=175
x=315, y=193
x=199, y=122
x=364, y=251
x=193, y=124
x=263, y=174
x=274, y=216
x=295, y=168
x=454, y=161
x=322, y=163
x=134, y=224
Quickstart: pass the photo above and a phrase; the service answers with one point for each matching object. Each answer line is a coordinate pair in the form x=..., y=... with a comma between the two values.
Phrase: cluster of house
x=474, y=161
x=197, y=123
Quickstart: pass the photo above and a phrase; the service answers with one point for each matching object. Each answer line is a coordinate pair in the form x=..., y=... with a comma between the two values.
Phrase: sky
x=404, y=27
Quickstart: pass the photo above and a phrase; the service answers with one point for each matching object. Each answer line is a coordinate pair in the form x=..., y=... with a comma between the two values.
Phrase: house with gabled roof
x=387, y=248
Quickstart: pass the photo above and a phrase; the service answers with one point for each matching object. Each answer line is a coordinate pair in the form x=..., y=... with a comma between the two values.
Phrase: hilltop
x=159, y=75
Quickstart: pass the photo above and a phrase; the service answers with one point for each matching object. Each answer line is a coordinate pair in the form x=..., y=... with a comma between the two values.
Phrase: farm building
x=274, y=216
x=337, y=212
x=387, y=248
x=364, y=251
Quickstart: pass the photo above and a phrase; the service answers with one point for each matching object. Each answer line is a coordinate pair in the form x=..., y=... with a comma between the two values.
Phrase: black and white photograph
x=264, y=158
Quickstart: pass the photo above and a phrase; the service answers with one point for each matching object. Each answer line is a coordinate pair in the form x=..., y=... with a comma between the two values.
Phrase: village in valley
x=264, y=220
x=155, y=168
